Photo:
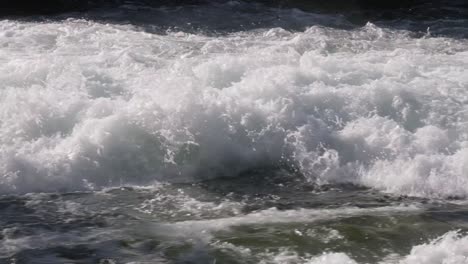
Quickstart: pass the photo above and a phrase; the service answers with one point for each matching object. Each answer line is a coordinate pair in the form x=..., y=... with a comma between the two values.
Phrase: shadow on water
x=445, y=17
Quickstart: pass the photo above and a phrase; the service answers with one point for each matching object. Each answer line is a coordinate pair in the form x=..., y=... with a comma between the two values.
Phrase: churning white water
x=86, y=105
x=451, y=248
x=232, y=132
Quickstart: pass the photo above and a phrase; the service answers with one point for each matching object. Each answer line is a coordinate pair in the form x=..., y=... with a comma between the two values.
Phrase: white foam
x=450, y=248
x=177, y=203
x=203, y=229
x=86, y=105
x=332, y=258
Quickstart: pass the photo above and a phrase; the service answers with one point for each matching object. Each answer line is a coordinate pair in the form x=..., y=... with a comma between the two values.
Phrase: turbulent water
x=232, y=132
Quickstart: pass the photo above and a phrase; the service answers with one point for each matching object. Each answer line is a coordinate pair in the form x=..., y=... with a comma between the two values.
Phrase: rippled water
x=232, y=132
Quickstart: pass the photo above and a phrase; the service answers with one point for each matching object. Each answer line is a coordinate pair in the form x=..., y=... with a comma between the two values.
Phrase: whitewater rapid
x=451, y=248
x=86, y=104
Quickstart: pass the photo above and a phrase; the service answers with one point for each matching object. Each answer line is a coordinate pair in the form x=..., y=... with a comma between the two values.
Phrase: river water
x=233, y=132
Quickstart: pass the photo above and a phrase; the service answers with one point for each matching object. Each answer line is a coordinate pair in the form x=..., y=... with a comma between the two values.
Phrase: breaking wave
x=86, y=105
x=452, y=247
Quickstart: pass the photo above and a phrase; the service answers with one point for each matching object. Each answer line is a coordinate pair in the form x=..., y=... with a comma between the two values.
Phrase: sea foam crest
x=86, y=105
x=450, y=248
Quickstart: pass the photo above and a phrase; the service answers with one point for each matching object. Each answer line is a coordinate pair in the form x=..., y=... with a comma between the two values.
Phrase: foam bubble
x=451, y=248
x=203, y=229
x=332, y=258
x=87, y=105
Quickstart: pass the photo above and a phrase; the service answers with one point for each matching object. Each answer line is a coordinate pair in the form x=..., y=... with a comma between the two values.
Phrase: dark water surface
x=252, y=219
